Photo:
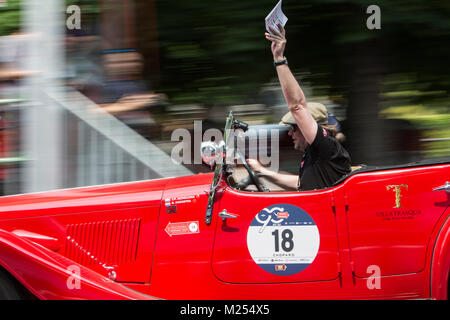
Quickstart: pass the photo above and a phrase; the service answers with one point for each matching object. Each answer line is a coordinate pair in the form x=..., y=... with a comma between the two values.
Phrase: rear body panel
x=390, y=228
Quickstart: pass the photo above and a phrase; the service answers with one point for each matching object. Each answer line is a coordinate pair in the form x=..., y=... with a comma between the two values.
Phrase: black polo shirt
x=324, y=162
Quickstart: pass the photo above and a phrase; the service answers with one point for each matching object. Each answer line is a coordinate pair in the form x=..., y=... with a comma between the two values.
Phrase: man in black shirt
x=324, y=160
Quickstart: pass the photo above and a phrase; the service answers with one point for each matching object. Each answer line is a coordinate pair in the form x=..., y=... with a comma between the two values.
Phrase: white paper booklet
x=275, y=17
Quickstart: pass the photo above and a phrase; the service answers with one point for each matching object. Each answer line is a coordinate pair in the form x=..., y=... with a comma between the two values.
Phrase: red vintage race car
x=378, y=233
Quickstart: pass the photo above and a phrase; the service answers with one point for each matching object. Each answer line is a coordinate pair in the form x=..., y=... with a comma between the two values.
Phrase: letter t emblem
x=397, y=189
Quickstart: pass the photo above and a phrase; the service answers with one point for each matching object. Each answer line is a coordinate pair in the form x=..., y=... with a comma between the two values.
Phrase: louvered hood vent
x=105, y=242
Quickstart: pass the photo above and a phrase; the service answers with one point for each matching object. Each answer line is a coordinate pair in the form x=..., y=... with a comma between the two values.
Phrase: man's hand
x=259, y=168
x=286, y=181
x=255, y=165
x=278, y=42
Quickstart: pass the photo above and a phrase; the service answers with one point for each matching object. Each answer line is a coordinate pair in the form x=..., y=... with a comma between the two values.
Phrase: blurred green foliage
x=88, y=7
x=10, y=17
x=212, y=52
x=215, y=53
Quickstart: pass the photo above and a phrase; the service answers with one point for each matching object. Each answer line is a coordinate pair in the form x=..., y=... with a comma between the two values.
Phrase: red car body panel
x=394, y=239
x=440, y=258
x=231, y=260
x=149, y=239
x=46, y=274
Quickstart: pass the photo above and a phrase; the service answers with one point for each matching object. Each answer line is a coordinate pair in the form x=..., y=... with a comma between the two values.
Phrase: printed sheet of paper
x=275, y=17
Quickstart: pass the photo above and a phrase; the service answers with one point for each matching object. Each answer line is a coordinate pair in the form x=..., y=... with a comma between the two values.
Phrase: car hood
x=97, y=198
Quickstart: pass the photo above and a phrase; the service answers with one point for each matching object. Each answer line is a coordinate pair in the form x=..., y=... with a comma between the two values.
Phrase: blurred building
x=51, y=104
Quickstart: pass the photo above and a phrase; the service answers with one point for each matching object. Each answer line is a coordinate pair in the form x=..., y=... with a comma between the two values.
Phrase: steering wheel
x=252, y=174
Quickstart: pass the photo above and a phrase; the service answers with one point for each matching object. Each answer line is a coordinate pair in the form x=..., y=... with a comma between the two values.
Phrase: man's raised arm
x=292, y=91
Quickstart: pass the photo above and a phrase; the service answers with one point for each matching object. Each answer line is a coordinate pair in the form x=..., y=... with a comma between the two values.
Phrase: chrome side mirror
x=212, y=153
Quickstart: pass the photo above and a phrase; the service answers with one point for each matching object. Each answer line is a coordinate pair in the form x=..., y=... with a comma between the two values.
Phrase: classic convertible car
x=378, y=233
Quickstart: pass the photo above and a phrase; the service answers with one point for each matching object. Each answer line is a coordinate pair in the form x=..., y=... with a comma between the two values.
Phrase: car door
x=391, y=215
x=275, y=237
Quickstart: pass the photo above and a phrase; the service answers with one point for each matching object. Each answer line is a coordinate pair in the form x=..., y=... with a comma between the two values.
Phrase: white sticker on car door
x=283, y=239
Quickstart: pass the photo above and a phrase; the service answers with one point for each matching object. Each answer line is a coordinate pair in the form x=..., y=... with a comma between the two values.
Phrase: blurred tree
x=147, y=34
x=10, y=14
x=215, y=53
x=212, y=53
x=411, y=40
x=10, y=17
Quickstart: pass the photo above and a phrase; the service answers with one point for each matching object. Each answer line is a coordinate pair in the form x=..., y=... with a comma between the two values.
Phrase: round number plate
x=283, y=239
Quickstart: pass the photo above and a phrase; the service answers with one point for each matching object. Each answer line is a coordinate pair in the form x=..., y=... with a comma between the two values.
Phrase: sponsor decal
x=171, y=209
x=180, y=200
x=171, y=203
x=280, y=267
x=283, y=239
x=398, y=194
x=398, y=212
x=282, y=215
x=182, y=228
x=404, y=214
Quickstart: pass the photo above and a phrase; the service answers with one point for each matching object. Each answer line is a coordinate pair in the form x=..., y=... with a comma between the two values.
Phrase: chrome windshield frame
x=218, y=172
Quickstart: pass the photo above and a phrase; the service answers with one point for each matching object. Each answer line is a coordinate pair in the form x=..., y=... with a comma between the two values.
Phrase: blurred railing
x=100, y=149
x=95, y=147
x=11, y=160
